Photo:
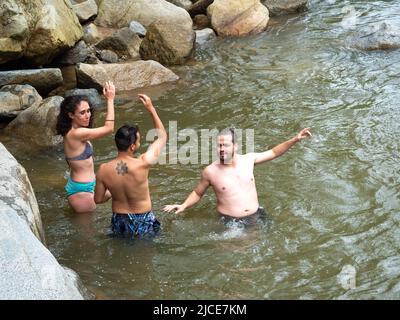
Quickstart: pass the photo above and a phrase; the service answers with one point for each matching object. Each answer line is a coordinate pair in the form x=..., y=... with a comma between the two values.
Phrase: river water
x=333, y=201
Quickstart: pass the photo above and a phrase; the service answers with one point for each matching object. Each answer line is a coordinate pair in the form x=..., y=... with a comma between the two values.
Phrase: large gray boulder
x=27, y=268
x=280, y=7
x=172, y=38
x=238, y=17
x=37, y=124
x=169, y=42
x=43, y=80
x=376, y=37
x=56, y=30
x=37, y=30
x=118, y=14
x=15, y=98
x=126, y=76
x=15, y=25
x=17, y=196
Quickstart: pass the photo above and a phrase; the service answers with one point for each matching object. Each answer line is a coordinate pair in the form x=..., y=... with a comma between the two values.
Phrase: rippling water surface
x=333, y=201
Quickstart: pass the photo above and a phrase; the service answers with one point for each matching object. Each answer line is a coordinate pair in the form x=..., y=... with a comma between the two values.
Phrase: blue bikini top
x=87, y=153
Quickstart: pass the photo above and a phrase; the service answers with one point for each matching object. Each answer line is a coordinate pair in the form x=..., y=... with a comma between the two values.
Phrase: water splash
x=234, y=230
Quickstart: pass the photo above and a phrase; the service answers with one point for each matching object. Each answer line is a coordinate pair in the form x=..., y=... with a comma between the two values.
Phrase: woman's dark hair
x=126, y=136
x=64, y=122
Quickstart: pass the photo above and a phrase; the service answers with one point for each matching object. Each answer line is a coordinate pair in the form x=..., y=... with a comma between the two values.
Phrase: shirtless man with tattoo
x=232, y=179
x=126, y=177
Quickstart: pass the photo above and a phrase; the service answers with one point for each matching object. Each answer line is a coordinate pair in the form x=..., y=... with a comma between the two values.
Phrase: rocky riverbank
x=49, y=47
x=28, y=270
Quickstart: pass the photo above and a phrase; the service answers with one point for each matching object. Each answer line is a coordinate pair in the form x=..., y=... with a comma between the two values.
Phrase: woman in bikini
x=74, y=123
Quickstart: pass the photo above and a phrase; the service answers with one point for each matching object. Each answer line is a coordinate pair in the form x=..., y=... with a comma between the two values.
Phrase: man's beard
x=225, y=158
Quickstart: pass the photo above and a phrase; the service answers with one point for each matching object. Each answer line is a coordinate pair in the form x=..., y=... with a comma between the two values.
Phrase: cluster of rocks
x=64, y=44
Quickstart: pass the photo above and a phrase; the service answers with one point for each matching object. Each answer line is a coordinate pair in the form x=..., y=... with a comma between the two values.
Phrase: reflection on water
x=333, y=200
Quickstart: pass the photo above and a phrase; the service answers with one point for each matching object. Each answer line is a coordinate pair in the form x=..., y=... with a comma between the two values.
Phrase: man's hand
x=305, y=133
x=146, y=101
x=177, y=207
x=109, y=90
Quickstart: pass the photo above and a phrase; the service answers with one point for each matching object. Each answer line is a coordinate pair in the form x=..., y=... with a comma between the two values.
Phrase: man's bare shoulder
x=246, y=157
x=104, y=168
x=210, y=170
x=142, y=160
x=211, y=167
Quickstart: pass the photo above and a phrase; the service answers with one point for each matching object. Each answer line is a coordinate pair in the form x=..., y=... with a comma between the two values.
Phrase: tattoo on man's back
x=122, y=168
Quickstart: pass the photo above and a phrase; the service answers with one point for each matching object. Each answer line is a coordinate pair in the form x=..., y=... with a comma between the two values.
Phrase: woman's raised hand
x=109, y=90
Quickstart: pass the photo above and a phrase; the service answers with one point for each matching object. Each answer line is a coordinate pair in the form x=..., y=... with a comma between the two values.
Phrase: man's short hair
x=126, y=136
x=228, y=132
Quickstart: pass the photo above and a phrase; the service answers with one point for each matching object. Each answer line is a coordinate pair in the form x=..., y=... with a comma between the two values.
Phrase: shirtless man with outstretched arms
x=232, y=177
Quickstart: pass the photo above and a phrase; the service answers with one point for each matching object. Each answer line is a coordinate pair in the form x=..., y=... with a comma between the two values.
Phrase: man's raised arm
x=154, y=151
x=281, y=148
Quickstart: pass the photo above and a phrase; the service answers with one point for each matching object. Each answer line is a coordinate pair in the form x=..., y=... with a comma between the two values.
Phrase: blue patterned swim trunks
x=134, y=224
